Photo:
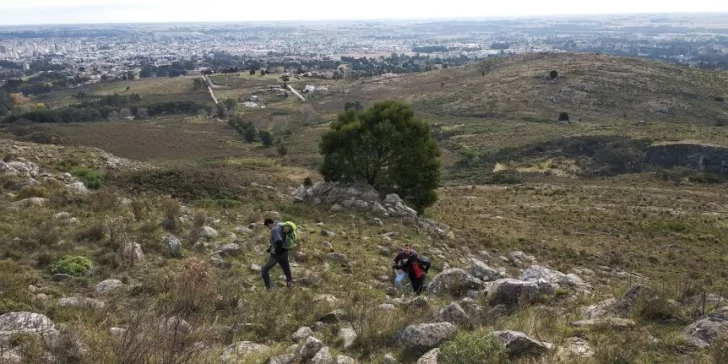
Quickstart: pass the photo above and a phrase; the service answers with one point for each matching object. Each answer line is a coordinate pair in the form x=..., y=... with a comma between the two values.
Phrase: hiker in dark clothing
x=415, y=267
x=278, y=255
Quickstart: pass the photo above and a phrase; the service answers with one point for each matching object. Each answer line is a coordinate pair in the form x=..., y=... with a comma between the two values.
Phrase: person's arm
x=424, y=263
x=277, y=238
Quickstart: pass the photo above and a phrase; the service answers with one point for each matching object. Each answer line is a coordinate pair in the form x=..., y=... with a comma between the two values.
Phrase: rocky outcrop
x=704, y=331
x=14, y=323
x=453, y=281
x=310, y=348
x=519, y=344
x=172, y=245
x=513, y=292
x=365, y=199
x=557, y=279
x=431, y=357
x=484, y=272
x=453, y=314
x=323, y=356
x=348, y=336
x=302, y=334
x=706, y=158
x=424, y=337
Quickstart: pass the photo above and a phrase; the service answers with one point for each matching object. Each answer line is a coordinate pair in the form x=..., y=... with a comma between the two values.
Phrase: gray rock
x=483, y=272
x=453, y=314
x=327, y=233
x=175, y=325
x=608, y=307
x=389, y=359
x=229, y=250
x=453, y=281
x=31, y=202
x=62, y=216
x=302, y=334
x=704, y=331
x=323, y=357
x=244, y=231
x=387, y=307
x=425, y=337
x=348, y=336
x=519, y=344
x=172, y=245
x=130, y=254
x=709, y=300
x=238, y=351
x=208, y=233
x=338, y=257
x=325, y=298
x=377, y=220
x=607, y=322
x=333, y=316
x=327, y=245
x=108, y=286
x=255, y=268
x=310, y=348
x=512, y=292
x=282, y=359
x=14, y=323
x=537, y=273
x=579, y=347
x=343, y=359
x=77, y=188
x=80, y=302
x=60, y=277
x=431, y=357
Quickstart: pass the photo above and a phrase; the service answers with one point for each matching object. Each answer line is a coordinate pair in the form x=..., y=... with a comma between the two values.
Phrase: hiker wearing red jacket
x=415, y=267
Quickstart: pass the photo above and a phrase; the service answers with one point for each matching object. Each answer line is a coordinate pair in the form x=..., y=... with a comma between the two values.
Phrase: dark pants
x=272, y=261
x=417, y=283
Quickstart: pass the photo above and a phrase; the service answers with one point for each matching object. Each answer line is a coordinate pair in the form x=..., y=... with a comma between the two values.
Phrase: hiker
x=282, y=240
x=410, y=263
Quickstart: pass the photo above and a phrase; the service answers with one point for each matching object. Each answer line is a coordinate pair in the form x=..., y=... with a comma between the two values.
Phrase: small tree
x=282, y=150
x=249, y=134
x=266, y=138
x=564, y=116
x=387, y=147
x=554, y=75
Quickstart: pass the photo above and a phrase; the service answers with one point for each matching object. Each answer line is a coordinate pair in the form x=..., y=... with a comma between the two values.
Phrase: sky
x=19, y=12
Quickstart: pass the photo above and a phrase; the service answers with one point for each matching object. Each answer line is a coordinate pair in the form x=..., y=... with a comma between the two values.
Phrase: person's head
x=269, y=223
x=408, y=248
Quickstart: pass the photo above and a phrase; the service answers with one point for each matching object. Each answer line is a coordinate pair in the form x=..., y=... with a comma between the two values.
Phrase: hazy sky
x=13, y=12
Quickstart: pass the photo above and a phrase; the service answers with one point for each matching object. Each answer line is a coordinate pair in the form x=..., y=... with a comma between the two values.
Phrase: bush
x=720, y=99
x=92, y=179
x=508, y=177
x=719, y=349
x=474, y=347
x=282, y=150
x=266, y=138
x=308, y=182
x=33, y=191
x=553, y=75
x=564, y=116
x=72, y=265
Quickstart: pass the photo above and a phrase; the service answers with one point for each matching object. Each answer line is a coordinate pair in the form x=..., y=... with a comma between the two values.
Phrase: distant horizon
x=393, y=20
x=103, y=12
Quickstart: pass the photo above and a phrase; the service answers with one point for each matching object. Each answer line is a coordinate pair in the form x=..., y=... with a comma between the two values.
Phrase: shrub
x=307, y=182
x=564, y=116
x=553, y=75
x=33, y=191
x=171, y=209
x=72, y=265
x=91, y=178
x=474, y=347
x=508, y=177
x=266, y=138
x=720, y=99
x=282, y=150
x=719, y=350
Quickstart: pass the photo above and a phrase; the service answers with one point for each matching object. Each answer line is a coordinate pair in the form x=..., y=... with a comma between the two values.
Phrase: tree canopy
x=387, y=147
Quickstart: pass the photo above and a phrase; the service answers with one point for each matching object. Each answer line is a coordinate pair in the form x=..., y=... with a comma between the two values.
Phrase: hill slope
x=589, y=87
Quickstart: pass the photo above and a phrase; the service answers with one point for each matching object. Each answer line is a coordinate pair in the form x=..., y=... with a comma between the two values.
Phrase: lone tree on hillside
x=554, y=75
x=564, y=116
x=387, y=147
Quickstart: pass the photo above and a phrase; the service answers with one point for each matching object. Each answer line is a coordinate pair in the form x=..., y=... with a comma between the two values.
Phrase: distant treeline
x=429, y=49
x=44, y=82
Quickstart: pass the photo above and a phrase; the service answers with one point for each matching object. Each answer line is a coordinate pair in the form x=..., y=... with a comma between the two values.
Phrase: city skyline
x=40, y=12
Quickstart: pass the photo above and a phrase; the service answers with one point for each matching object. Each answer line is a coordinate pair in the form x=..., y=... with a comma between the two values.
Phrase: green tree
x=282, y=150
x=6, y=103
x=564, y=116
x=387, y=147
x=249, y=134
x=266, y=138
x=554, y=75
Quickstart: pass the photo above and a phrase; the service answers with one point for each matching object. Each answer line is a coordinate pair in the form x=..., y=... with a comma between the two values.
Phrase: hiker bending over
x=410, y=263
x=278, y=251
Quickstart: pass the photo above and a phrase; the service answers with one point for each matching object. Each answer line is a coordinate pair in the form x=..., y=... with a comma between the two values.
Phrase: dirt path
x=209, y=88
x=296, y=93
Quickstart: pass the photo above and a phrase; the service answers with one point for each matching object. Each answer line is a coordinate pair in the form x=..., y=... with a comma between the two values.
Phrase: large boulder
x=77, y=188
x=424, y=337
x=519, y=344
x=237, y=352
x=453, y=281
x=348, y=336
x=322, y=357
x=302, y=334
x=606, y=308
x=108, y=286
x=343, y=359
x=79, y=302
x=207, y=232
x=431, y=357
x=483, y=272
x=229, y=250
x=537, y=273
x=512, y=292
x=282, y=359
x=453, y=314
x=31, y=323
x=130, y=254
x=702, y=332
x=172, y=246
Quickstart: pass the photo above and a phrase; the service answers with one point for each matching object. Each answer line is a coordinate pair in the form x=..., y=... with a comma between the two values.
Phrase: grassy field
x=657, y=228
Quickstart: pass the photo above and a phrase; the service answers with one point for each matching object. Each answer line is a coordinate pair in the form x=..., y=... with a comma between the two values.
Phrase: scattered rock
x=519, y=258
x=322, y=357
x=237, y=352
x=702, y=332
x=62, y=216
x=229, y=250
x=60, y=277
x=13, y=323
x=325, y=298
x=80, y=302
x=243, y=230
x=610, y=322
x=327, y=233
x=310, y=348
x=608, y=307
x=172, y=245
x=425, y=337
x=519, y=344
x=453, y=281
x=208, y=233
x=483, y=272
x=431, y=357
x=377, y=220
x=175, y=325
x=78, y=188
x=327, y=245
x=31, y=202
x=387, y=307
x=108, y=286
x=343, y=359
x=537, y=273
x=512, y=292
x=348, y=336
x=579, y=347
x=338, y=257
x=302, y=334
x=333, y=317
x=282, y=359
x=130, y=254
x=453, y=314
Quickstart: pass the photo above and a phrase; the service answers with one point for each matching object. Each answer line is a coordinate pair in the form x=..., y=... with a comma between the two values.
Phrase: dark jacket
x=277, y=237
x=404, y=262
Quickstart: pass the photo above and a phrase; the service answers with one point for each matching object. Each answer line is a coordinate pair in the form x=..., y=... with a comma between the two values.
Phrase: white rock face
x=108, y=286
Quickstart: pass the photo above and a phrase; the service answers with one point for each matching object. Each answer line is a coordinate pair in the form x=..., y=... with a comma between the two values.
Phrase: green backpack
x=291, y=236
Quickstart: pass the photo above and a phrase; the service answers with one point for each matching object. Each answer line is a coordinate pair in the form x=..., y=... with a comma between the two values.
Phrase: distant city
x=88, y=54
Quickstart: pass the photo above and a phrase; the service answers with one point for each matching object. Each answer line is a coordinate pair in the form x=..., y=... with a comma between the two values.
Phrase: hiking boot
x=289, y=284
